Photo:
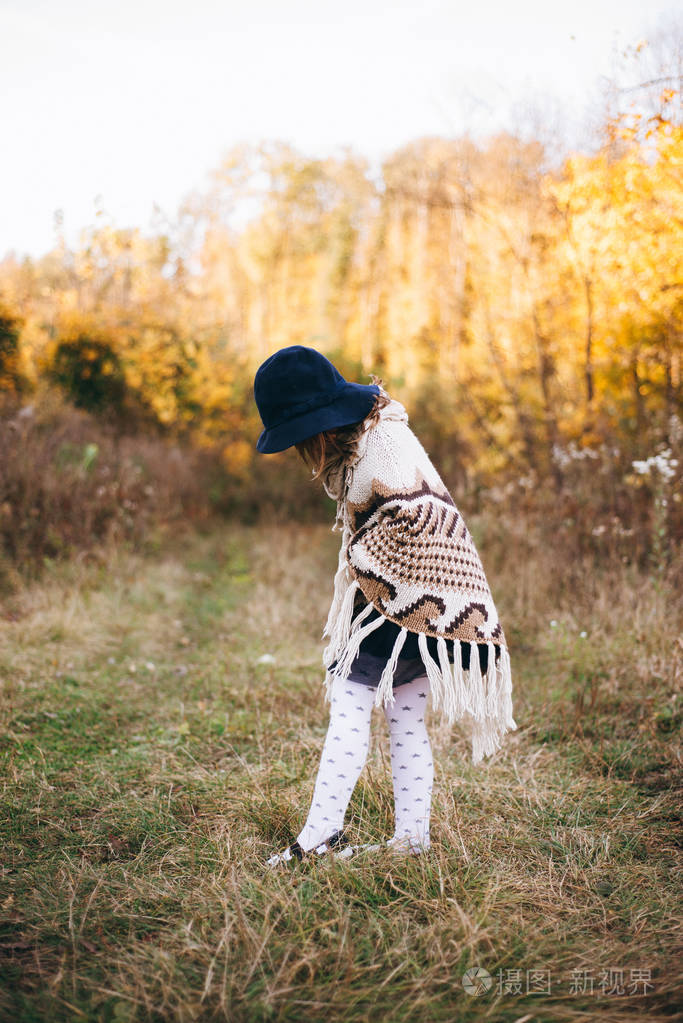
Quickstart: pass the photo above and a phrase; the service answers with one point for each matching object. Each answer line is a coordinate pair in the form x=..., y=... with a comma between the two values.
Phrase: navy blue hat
x=300, y=393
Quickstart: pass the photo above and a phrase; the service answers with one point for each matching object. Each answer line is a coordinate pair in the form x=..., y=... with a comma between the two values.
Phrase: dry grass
x=151, y=764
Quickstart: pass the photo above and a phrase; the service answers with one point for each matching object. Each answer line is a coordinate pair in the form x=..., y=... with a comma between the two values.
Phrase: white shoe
x=353, y=850
x=407, y=846
x=397, y=847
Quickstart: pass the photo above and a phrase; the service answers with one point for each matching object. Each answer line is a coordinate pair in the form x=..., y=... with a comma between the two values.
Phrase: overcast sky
x=135, y=101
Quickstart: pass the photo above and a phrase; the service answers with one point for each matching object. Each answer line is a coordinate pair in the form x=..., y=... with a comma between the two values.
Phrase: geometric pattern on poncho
x=416, y=561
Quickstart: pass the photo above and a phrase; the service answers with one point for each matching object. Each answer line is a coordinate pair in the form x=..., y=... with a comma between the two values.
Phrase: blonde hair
x=327, y=452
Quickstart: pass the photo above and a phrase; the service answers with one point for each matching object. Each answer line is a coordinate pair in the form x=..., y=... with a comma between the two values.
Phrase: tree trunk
x=637, y=396
x=546, y=371
x=589, y=347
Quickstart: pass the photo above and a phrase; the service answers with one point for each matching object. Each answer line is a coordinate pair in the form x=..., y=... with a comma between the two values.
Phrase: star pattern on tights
x=406, y=823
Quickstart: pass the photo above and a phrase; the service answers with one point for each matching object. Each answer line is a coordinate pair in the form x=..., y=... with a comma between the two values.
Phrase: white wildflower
x=662, y=463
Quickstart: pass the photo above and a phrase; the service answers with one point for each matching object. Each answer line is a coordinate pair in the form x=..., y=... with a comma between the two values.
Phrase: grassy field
x=150, y=765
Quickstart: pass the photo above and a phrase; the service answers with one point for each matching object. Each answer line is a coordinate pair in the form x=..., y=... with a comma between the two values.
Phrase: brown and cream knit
x=407, y=548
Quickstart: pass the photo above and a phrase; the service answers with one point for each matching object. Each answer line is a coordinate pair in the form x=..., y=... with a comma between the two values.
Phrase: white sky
x=135, y=101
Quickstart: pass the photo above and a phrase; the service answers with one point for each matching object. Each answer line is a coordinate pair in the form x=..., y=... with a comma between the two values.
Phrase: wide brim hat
x=300, y=393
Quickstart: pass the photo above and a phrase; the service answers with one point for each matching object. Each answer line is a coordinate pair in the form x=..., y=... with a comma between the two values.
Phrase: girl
x=412, y=612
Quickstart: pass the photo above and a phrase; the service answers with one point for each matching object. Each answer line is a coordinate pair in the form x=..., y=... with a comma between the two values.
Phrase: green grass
x=150, y=765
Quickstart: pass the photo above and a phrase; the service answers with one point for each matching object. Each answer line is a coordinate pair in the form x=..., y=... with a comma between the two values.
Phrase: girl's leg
x=343, y=757
x=412, y=766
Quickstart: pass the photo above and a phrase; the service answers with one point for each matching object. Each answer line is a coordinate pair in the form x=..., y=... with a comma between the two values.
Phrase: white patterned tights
x=345, y=751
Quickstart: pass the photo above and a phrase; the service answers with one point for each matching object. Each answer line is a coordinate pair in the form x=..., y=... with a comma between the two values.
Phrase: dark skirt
x=375, y=651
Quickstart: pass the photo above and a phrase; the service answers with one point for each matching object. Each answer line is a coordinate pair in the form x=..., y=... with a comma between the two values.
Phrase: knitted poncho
x=406, y=547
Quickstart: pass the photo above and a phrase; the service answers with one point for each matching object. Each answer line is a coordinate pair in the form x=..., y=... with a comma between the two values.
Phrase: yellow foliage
x=537, y=306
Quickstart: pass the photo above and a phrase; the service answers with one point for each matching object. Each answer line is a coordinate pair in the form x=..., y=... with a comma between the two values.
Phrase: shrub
x=89, y=372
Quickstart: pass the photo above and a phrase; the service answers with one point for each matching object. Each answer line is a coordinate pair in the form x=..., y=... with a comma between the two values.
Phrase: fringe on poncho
x=406, y=547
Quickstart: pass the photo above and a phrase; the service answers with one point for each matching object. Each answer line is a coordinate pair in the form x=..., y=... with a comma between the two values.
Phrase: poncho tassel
x=342, y=580
x=342, y=626
x=506, y=690
x=385, y=691
x=367, y=610
x=327, y=685
x=486, y=730
x=476, y=686
x=460, y=680
x=481, y=745
x=492, y=683
x=450, y=694
x=437, y=683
